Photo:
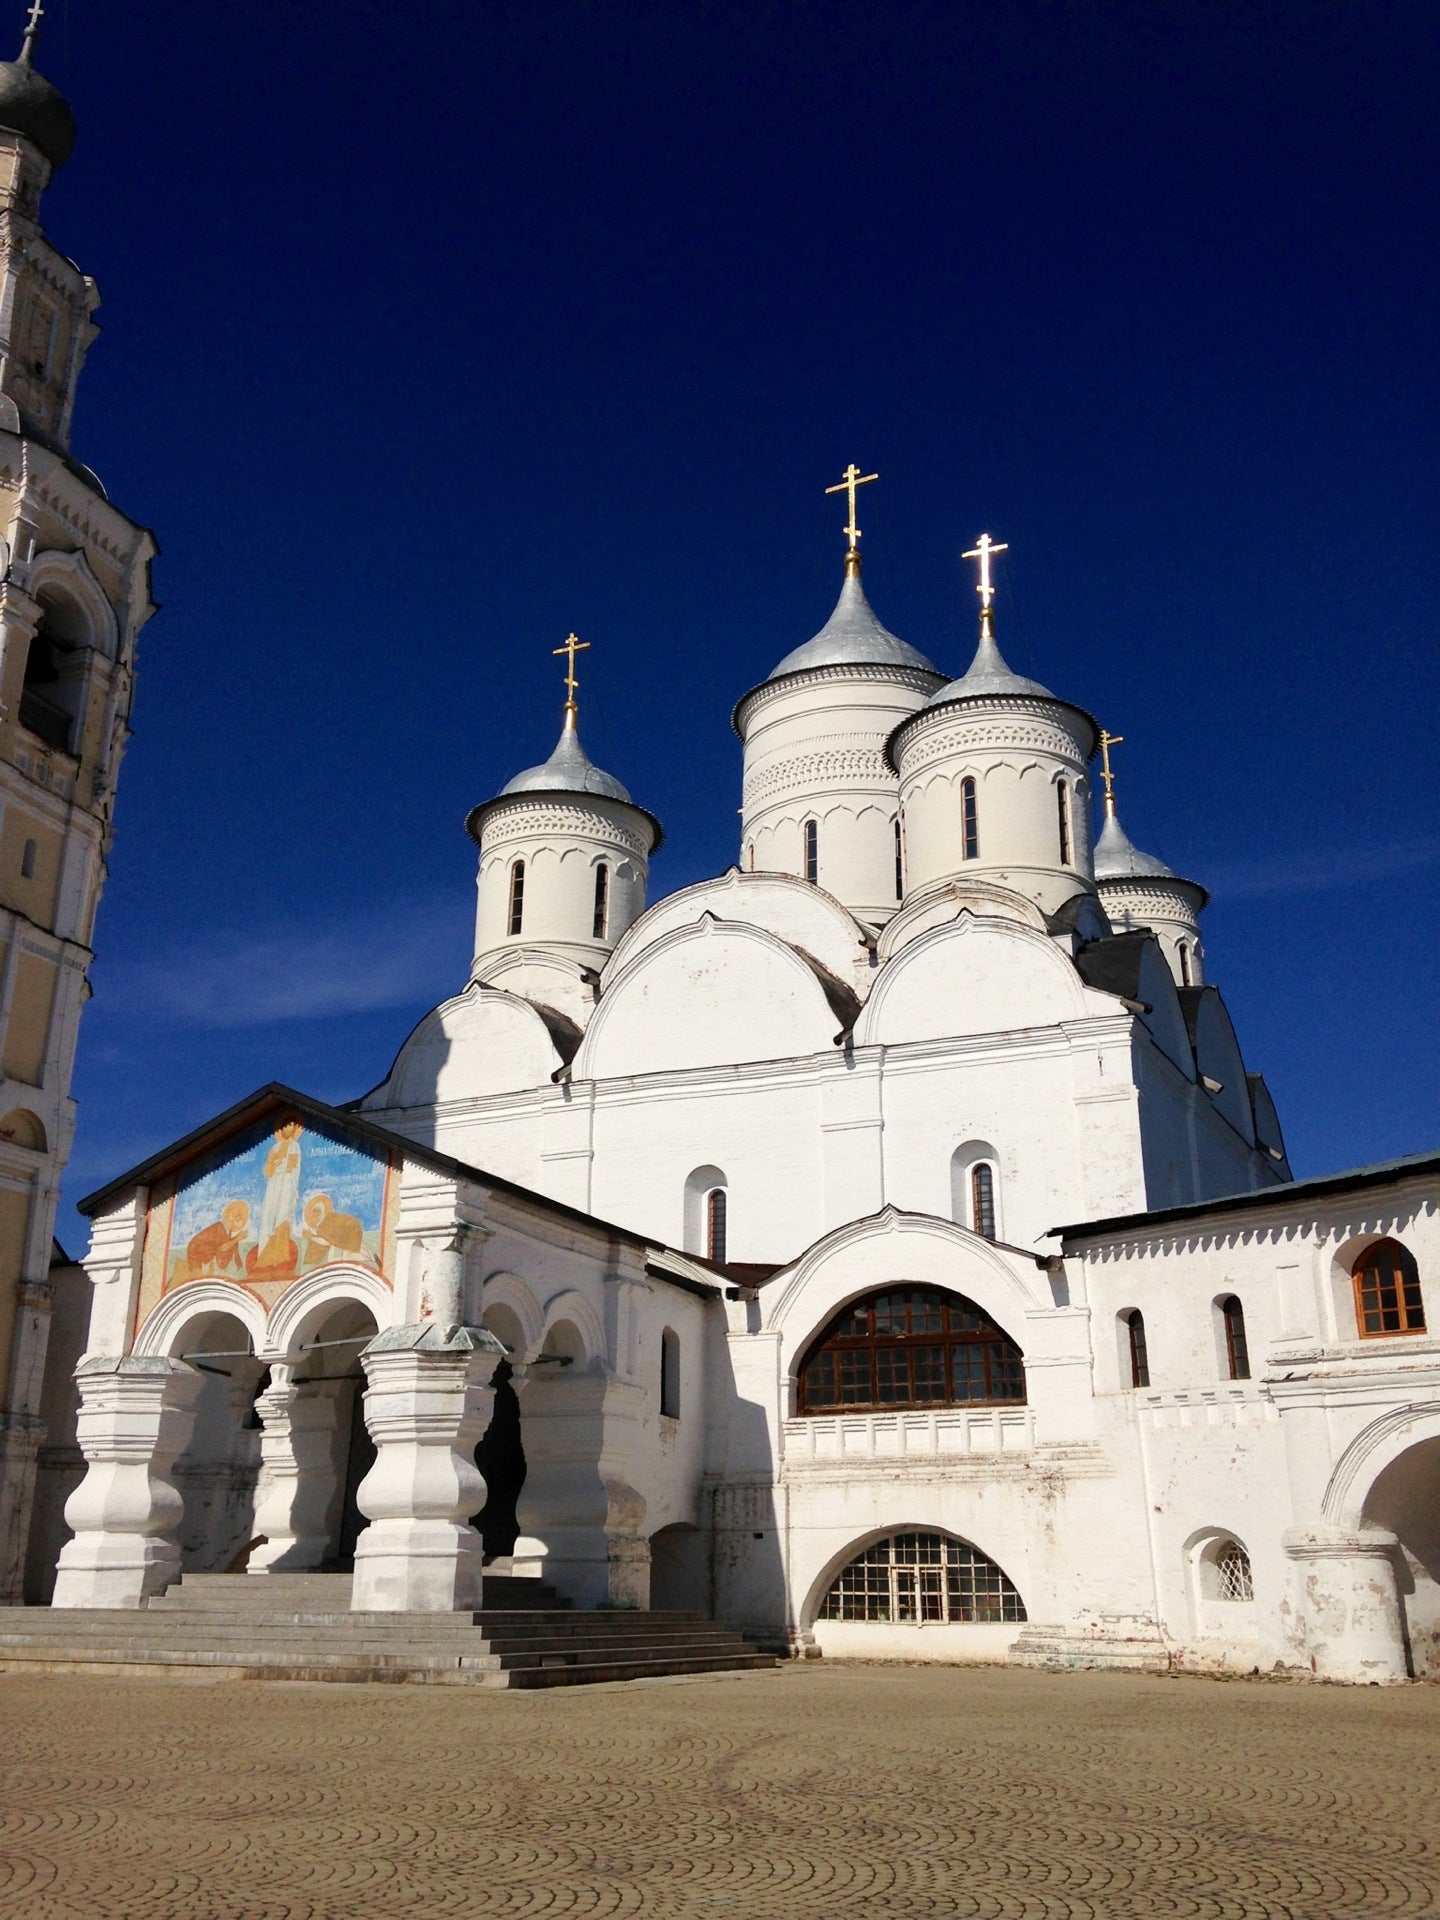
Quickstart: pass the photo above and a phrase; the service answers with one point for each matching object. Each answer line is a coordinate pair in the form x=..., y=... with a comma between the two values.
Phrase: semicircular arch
x=164, y=1326
x=309, y=1298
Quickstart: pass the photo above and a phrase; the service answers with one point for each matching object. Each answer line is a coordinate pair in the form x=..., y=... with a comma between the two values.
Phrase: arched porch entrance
x=1404, y=1499
x=217, y=1471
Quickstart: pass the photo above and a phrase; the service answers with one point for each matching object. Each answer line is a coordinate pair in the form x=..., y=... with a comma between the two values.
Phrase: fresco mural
x=274, y=1206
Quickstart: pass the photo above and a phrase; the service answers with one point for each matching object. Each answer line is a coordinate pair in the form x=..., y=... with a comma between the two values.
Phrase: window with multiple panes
x=1139, y=1354
x=602, y=900
x=1233, y=1579
x=1062, y=798
x=716, y=1222
x=923, y=1576
x=1387, y=1291
x=517, y=896
x=812, y=850
x=1237, y=1350
x=970, y=818
x=982, y=1199
x=910, y=1347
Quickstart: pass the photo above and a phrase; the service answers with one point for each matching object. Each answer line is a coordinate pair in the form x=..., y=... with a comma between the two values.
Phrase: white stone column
x=428, y=1401
x=135, y=1418
x=582, y=1522
x=296, y=1492
x=1347, y=1623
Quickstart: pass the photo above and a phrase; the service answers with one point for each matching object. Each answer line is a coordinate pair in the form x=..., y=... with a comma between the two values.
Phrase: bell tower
x=74, y=593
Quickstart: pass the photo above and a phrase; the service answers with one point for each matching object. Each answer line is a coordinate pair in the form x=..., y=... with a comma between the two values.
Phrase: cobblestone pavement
x=818, y=1791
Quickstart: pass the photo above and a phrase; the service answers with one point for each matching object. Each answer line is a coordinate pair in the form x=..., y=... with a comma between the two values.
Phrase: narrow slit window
x=1186, y=975
x=27, y=860
x=1237, y=1350
x=602, y=900
x=982, y=1200
x=1139, y=1352
x=670, y=1374
x=970, y=816
x=716, y=1223
x=899, y=863
x=812, y=850
x=1062, y=801
x=517, y=896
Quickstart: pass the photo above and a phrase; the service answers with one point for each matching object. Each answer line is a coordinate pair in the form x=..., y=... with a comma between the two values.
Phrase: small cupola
x=564, y=855
x=820, y=800
x=992, y=776
x=1140, y=892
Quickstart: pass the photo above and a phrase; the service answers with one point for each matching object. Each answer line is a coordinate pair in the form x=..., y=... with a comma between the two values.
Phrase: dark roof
x=1113, y=965
x=275, y=1096
x=1382, y=1173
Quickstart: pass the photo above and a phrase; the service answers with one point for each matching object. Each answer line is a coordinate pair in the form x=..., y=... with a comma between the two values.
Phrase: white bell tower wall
x=1025, y=759
x=815, y=753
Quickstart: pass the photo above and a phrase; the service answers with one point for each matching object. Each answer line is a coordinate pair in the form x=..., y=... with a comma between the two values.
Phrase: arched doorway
x=216, y=1473
x=500, y=1454
x=1405, y=1499
x=328, y=1381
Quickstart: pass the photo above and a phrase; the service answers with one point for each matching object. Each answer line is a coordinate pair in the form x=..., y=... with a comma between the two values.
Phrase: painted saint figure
x=277, y=1253
x=332, y=1236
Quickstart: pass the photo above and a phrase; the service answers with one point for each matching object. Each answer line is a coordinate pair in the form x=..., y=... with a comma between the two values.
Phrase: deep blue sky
x=433, y=331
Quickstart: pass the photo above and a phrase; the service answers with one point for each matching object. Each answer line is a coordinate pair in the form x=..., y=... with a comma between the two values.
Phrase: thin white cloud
x=1319, y=869
x=395, y=955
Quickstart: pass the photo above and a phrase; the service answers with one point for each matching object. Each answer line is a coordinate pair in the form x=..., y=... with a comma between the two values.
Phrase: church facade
x=883, y=1247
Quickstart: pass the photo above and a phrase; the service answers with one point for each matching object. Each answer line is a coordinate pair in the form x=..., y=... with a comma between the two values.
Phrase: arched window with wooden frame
x=1237, y=1347
x=602, y=901
x=1062, y=801
x=1138, y=1351
x=812, y=851
x=982, y=1199
x=1387, y=1291
x=912, y=1577
x=970, y=818
x=717, y=1223
x=517, y=896
x=910, y=1347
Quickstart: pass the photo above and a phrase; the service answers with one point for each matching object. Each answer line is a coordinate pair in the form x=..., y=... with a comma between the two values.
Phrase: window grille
x=812, y=851
x=899, y=863
x=923, y=1576
x=1237, y=1349
x=1139, y=1353
x=912, y=1346
x=1387, y=1291
x=716, y=1222
x=517, y=896
x=602, y=900
x=1232, y=1573
x=970, y=817
x=982, y=1200
x=1062, y=794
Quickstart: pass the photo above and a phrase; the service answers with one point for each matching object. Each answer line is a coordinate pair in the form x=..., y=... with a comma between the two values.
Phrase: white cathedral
x=882, y=1247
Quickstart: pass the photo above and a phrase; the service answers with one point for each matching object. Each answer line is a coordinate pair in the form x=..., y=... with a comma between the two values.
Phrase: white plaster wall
x=562, y=841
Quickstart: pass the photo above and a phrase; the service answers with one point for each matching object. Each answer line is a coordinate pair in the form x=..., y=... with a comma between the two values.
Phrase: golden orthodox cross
x=1108, y=740
x=851, y=479
x=981, y=551
x=572, y=646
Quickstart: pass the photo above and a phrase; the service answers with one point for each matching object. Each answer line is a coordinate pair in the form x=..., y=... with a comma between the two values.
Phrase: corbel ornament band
x=916, y=678
x=525, y=821
x=922, y=748
x=1145, y=897
x=849, y=766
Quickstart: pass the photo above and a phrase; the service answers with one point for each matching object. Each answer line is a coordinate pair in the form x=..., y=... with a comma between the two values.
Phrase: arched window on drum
x=910, y=1347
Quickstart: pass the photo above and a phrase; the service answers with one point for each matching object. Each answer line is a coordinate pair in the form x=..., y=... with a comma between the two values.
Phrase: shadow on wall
x=1406, y=1499
x=749, y=1587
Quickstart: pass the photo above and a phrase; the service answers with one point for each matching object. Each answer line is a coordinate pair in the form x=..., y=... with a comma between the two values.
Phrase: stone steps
x=216, y=1627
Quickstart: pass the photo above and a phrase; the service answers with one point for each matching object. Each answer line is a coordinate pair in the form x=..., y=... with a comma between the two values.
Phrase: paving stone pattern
x=824, y=1790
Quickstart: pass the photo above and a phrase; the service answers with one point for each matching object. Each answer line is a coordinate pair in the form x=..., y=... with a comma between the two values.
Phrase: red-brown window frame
x=1408, y=1305
x=1000, y=1357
